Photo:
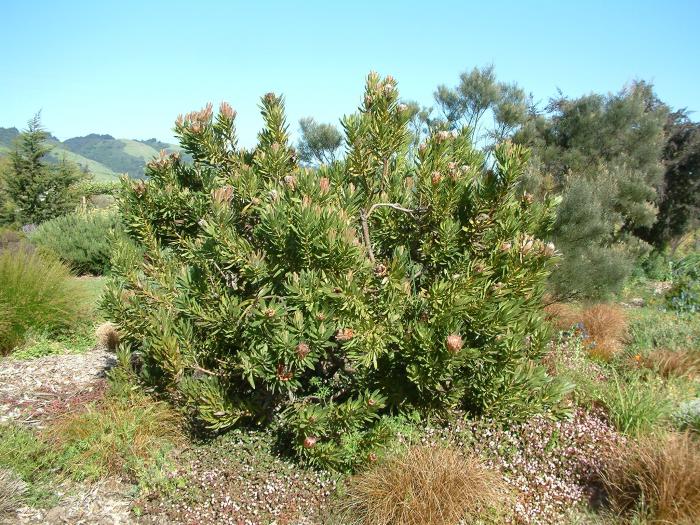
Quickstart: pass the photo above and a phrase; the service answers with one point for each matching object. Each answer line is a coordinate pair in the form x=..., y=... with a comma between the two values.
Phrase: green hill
x=103, y=155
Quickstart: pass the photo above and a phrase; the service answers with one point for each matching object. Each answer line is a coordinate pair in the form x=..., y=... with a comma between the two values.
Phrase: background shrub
x=389, y=281
x=36, y=292
x=684, y=296
x=83, y=240
x=687, y=416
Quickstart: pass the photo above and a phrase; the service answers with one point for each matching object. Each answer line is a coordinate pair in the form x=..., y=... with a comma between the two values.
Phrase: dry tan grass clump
x=426, y=486
x=658, y=478
x=605, y=328
x=669, y=363
x=11, y=490
x=108, y=336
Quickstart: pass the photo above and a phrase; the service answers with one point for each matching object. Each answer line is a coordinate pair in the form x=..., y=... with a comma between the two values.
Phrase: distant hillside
x=103, y=155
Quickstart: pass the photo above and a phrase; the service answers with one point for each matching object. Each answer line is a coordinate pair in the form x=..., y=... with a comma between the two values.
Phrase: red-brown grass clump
x=605, y=329
x=426, y=486
x=673, y=363
x=656, y=479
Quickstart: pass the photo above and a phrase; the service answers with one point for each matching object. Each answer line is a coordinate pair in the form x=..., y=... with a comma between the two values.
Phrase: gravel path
x=34, y=391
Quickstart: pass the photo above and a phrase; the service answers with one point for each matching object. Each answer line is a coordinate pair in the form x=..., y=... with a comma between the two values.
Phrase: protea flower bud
x=223, y=195
x=527, y=245
x=226, y=110
x=436, y=178
x=310, y=441
x=454, y=343
x=372, y=457
x=549, y=249
x=527, y=197
x=423, y=146
x=290, y=180
x=302, y=350
x=506, y=246
x=344, y=334
x=324, y=184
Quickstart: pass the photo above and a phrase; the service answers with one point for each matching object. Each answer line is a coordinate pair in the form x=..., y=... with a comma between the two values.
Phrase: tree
x=35, y=191
x=319, y=142
x=679, y=203
x=330, y=299
x=602, y=153
x=477, y=93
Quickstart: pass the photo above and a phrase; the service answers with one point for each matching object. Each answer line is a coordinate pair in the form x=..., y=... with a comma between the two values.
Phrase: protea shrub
x=327, y=299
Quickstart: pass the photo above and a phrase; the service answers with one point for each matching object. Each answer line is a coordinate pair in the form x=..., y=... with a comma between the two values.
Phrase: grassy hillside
x=105, y=156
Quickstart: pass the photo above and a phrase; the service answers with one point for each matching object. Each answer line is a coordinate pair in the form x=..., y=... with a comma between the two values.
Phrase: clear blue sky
x=128, y=68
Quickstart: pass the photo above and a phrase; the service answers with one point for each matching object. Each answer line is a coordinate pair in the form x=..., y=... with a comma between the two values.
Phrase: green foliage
x=679, y=204
x=383, y=283
x=319, y=142
x=687, y=416
x=34, y=191
x=684, y=296
x=33, y=461
x=129, y=437
x=603, y=155
x=37, y=293
x=82, y=240
x=78, y=340
x=633, y=405
x=477, y=93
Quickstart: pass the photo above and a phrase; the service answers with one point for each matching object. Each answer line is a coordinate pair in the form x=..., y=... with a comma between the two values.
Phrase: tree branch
x=364, y=218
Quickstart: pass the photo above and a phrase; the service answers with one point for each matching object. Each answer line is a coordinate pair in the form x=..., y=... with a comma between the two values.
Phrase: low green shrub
x=36, y=293
x=684, y=296
x=687, y=416
x=83, y=240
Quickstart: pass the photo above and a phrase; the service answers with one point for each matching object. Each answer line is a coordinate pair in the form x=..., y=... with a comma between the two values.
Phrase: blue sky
x=128, y=68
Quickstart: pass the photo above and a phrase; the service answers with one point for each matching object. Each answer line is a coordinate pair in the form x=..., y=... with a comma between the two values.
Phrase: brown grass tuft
x=425, y=486
x=670, y=363
x=658, y=478
x=562, y=315
x=605, y=328
x=11, y=490
x=108, y=336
